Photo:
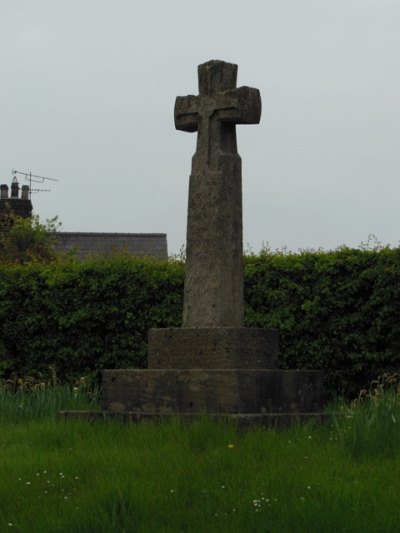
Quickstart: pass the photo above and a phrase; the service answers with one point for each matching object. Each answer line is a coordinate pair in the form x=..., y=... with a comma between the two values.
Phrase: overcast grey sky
x=88, y=90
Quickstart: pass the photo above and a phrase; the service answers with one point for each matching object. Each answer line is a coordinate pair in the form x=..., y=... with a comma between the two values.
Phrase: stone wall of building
x=105, y=244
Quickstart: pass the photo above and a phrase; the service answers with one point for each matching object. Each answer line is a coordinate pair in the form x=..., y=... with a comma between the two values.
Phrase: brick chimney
x=21, y=206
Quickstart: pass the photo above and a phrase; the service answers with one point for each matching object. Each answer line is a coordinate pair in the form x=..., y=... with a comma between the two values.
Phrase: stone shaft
x=214, y=253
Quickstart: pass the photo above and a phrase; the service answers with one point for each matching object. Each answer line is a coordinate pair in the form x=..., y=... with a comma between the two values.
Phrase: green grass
x=370, y=426
x=75, y=476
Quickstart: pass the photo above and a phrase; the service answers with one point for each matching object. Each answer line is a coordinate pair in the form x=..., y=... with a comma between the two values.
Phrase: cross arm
x=186, y=113
x=241, y=106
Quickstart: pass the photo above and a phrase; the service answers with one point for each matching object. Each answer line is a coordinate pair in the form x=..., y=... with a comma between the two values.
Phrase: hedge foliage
x=338, y=311
x=83, y=317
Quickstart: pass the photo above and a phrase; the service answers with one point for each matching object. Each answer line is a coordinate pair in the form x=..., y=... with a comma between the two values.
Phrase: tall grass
x=370, y=426
x=27, y=398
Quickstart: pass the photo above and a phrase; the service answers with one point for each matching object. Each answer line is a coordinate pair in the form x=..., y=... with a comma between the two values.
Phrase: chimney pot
x=3, y=191
x=25, y=192
x=14, y=188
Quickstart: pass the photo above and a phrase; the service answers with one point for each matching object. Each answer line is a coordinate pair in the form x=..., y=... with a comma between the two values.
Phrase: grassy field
x=73, y=476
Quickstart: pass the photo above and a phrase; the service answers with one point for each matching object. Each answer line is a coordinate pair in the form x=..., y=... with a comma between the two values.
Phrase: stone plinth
x=213, y=348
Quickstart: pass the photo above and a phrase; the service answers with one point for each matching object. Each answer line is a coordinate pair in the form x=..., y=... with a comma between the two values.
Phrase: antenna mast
x=33, y=178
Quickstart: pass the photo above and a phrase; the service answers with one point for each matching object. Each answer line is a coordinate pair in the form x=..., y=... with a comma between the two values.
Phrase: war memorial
x=213, y=364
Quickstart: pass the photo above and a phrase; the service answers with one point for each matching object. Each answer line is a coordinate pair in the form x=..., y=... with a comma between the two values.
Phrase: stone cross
x=213, y=364
x=213, y=294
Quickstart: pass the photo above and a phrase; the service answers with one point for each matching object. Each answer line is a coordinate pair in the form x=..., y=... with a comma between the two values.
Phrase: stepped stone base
x=219, y=372
x=211, y=391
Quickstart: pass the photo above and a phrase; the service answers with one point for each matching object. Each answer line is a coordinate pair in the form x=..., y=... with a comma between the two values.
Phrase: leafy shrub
x=24, y=240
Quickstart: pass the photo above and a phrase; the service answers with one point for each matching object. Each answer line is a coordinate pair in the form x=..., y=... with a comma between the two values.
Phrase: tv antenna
x=33, y=178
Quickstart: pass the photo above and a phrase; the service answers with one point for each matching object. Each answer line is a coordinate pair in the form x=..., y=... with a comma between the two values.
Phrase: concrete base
x=219, y=347
x=256, y=391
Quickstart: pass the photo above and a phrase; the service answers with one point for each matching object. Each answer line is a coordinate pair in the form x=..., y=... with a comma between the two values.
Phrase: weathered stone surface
x=213, y=348
x=214, y=254
x=211, y=391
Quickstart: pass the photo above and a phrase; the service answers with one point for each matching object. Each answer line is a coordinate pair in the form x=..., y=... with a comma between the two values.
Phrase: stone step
x=248, y=420
x=159, y=391
x=217, y=347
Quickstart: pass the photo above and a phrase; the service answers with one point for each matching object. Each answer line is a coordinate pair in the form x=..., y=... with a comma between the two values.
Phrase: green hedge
x=337, y=311
x=83, y=317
